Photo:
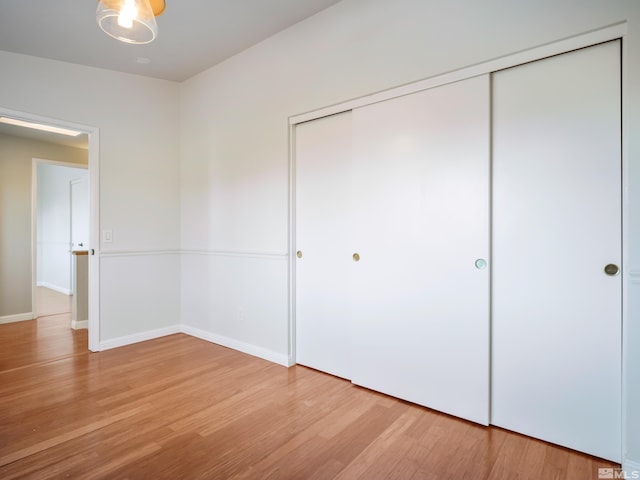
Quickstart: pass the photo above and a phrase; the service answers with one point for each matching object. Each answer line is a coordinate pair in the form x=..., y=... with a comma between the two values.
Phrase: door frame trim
x=94, y=213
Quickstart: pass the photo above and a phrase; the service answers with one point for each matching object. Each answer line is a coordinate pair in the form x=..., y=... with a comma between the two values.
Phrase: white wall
x=234, y=144
x=139, y=189
x=54, y=225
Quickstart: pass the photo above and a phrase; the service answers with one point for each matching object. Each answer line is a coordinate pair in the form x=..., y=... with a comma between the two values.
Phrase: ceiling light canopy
x=130, y=21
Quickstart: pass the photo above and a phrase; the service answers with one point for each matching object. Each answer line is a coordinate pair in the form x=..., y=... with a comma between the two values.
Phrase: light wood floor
x=50, y=302
x=182, y=408
x=49, y=337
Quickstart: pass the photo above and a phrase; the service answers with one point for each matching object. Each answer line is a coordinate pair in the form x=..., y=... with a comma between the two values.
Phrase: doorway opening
x=61, y=237
x=90, y=136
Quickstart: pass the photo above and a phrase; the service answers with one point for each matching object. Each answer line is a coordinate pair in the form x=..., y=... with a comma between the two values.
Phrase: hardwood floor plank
x=50, y=302
x=180, y=407
x=68, y=434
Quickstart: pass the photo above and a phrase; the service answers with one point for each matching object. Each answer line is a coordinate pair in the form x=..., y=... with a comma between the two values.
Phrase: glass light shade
x=130, y=21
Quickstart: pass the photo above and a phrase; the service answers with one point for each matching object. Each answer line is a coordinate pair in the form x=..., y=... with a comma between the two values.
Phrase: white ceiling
x=193, y=35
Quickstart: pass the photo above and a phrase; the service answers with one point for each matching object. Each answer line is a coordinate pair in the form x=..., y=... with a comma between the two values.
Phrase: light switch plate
x=107, y=236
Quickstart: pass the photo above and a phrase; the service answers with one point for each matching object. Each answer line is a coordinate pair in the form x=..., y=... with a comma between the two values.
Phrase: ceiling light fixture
x=130, y=21
x=39, y=126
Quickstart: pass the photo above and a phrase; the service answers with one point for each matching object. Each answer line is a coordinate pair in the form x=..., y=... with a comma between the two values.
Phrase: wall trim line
x=18, y=317
x=272, y=255
x=79, y=324
x=55, y=288
x=221, y=340
x=239, y=253
x=243, y=347
x=139, y=337
x=137, y=253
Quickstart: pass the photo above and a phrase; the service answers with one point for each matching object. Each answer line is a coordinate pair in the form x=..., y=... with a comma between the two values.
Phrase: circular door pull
x=481, y=264
x=612, y=269
x=299, y=254
x=356, y=257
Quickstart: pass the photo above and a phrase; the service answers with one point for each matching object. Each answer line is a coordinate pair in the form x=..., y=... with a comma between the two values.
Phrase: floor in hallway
x=45, y=339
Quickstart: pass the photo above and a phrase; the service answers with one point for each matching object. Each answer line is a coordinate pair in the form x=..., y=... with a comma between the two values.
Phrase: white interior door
x=421, y=216
x=323, y=240
x=556, y=364
x=80, y=213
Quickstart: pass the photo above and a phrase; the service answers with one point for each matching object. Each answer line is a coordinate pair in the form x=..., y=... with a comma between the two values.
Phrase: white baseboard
x=139, y=337
x=19, y=317
x=56, y=288
x=631, y=469
x=248, y=348
x=79, y=324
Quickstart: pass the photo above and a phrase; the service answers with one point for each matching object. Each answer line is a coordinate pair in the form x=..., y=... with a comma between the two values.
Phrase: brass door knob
x=356, y=257
x=612, y=269
x=299, y=254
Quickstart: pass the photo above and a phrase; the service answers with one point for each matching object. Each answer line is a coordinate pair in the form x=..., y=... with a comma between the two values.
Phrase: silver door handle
x=480, y=264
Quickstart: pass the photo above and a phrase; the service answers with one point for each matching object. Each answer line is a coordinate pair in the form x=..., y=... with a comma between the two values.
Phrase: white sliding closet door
x=556, y=348
x=421, y=221
x=323, y=241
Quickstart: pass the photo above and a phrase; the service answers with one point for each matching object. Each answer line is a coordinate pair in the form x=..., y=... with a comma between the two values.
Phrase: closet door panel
x=556, y=349
x=323, y=238
x=421, y=220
